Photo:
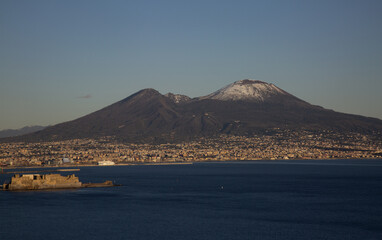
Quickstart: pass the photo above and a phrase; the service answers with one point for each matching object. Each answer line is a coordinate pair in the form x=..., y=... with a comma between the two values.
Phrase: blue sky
x=60, y=60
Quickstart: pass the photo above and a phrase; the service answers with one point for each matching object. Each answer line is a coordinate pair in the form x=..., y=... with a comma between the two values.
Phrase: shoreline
x=62, y=168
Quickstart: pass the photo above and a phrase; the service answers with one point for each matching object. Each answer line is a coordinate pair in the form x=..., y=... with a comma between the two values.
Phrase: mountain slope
x=245, y=107
x=144, y=113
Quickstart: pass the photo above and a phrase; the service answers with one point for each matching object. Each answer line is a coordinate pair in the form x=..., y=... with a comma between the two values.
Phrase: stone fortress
x=48, y=181
x=39, y=181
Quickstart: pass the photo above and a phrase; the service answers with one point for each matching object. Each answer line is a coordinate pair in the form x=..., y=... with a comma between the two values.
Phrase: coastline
x=62, y=168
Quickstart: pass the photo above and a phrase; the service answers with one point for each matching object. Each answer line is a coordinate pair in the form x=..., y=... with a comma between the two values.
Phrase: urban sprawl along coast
x=279, y=144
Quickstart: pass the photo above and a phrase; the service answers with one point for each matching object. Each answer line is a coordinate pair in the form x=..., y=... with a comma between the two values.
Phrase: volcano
x=245, y=107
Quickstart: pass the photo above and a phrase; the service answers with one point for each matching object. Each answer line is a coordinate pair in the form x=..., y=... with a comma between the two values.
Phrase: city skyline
x=61, y=60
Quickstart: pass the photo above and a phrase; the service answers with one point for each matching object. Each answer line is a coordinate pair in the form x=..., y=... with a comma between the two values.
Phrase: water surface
x=336, y=199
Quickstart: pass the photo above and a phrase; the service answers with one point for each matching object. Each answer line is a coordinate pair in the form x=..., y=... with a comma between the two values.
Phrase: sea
x=302, y=199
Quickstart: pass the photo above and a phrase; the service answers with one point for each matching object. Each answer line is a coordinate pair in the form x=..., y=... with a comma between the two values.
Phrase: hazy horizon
x=61, y=60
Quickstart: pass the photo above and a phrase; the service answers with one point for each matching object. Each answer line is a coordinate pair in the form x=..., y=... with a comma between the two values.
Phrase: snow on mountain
x=252, y=90
x=178, y=98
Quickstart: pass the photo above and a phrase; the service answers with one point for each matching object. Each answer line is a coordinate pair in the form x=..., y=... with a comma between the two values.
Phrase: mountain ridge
x=20, y=131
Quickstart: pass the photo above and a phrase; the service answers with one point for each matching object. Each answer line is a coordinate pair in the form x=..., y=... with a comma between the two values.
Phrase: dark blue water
x=250, y=200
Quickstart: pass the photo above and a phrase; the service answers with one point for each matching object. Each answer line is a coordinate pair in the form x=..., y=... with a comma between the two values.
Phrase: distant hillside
x=21, y=131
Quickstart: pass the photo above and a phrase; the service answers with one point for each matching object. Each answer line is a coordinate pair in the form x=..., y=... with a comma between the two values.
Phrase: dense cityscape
x=279, y=144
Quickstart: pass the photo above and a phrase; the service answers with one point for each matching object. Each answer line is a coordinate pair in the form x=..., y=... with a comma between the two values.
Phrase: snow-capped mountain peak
x=247, y=89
